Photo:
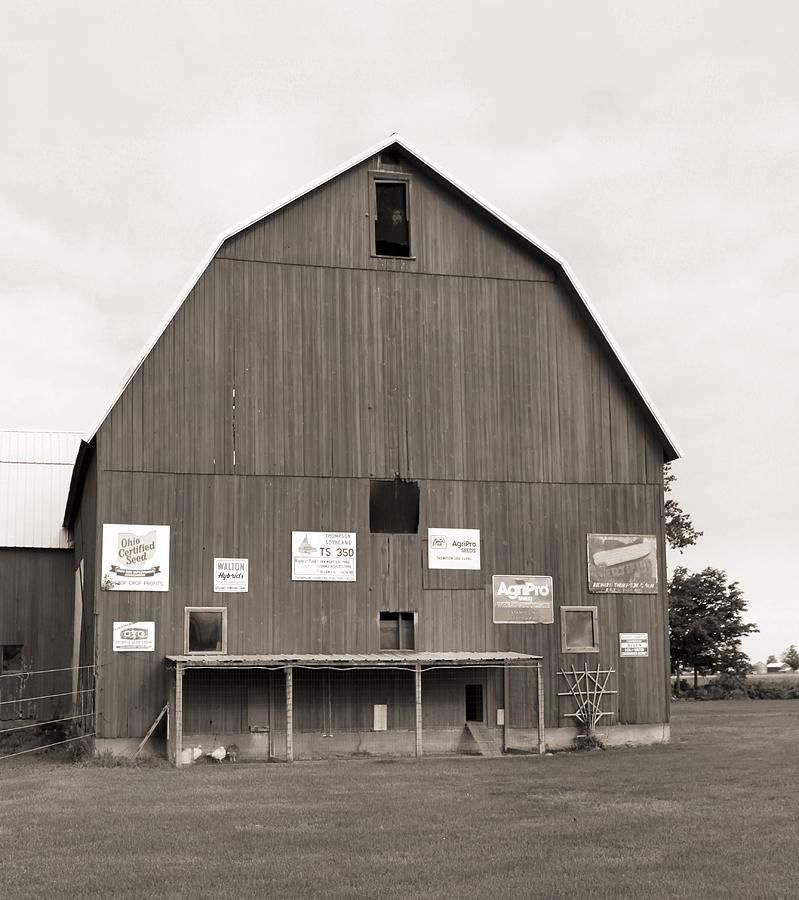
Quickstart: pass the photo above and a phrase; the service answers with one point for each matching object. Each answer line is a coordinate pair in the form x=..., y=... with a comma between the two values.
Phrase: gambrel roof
x=559, y=265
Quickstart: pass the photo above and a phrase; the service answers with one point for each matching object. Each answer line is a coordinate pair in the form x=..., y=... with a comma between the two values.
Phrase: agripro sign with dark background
x=523, y=599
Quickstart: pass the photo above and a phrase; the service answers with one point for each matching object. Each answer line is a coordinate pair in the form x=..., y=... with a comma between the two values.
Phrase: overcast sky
x=654, y=146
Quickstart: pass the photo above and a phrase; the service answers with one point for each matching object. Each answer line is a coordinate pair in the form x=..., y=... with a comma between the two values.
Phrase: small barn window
x=578, y=629
x=205, y=629
x=10, y=658
x=397, y=631
x=394, y=507
x=391, y=216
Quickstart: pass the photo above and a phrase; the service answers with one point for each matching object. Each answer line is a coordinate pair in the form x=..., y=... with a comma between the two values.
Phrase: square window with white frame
x=579, y=629
x=205, y=629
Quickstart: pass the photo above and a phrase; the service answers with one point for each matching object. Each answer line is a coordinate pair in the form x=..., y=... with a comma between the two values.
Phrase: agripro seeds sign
x=523, y=599
x=322, y=556
x=231, y=576
x=453, y=548
x=134, y=636
x=135, y=558
x=622, y=564
x=634, y=644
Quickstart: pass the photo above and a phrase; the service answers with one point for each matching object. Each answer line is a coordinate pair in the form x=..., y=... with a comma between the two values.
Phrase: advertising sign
x=523, y=599
x=135, y=558
x=230, y=576
x=622, y=564
x=322, y=556
x=129, y=636
x=453, y=548
x=634, y=644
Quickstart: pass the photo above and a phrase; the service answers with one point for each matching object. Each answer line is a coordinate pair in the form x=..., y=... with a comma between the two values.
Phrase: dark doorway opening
x=474, y=703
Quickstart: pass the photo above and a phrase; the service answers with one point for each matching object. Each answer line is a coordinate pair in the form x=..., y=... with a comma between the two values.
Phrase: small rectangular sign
x=134, y=636
x=453, y=548
x=523, y=599
x=135, y=558
x=622, y=564
x=230, y=576
x=323, y=556
x=634, y=644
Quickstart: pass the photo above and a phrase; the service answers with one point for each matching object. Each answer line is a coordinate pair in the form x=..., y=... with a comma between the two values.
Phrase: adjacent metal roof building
x=35, y=470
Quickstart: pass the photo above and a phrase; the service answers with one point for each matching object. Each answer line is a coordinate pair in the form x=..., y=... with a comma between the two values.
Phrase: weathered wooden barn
x=382, y=483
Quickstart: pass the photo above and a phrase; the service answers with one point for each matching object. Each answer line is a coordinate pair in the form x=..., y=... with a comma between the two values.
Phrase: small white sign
x=134, y=636
x=322, y=556
x=231, y=576
x=634, y=644
x=135, y=558
x=453, y=548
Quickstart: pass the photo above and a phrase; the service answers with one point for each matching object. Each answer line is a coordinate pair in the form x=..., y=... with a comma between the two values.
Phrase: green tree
x=791, y=657
x=680, y=531
x=706, y=624
x=771, y=659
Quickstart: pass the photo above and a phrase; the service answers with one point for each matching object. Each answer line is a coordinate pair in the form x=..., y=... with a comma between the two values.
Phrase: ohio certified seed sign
x=131, y=636
x=135, y=558
x=453, y=548
x=322, y=556
x=523, y=599
x=230, y=576
x=622, y=564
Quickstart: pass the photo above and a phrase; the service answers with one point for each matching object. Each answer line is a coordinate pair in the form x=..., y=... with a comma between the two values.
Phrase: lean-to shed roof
x=671, y=448
x=35, y=471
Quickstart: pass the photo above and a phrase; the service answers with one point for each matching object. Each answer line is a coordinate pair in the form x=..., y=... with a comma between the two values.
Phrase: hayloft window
x=397, y=631
x=391, y=215
x=205, y=629
x=10, y=658
x=578, y=629
x=394, y=507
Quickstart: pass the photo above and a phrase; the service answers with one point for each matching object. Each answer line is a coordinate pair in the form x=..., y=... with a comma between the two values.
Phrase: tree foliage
x=680, y=531
x=791, y=657
x=705, y=622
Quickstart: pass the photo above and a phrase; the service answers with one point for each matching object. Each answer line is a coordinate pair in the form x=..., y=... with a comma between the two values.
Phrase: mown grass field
x=715, y=814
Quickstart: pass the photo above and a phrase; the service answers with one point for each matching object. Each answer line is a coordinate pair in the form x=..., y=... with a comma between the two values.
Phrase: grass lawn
x=714, y=814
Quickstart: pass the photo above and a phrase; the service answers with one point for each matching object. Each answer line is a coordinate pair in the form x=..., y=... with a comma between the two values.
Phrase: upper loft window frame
x=389, y=176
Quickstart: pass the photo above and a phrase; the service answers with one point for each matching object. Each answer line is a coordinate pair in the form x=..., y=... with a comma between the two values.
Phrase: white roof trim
x=491, y=210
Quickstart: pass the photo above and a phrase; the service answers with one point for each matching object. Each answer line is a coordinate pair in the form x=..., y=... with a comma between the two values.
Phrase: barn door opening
x=474, y=703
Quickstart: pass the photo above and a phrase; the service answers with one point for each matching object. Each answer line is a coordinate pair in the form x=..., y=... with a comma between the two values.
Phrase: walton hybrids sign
x=135, y=558
x=453, y=548
x=523, y=599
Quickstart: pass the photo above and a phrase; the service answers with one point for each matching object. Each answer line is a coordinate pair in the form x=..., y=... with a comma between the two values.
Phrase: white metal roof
x=35, y=471
x=671, y=444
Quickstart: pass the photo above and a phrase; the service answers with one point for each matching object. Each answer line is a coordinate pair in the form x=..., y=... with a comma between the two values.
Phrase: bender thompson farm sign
x=622, y=564
x=135, y=558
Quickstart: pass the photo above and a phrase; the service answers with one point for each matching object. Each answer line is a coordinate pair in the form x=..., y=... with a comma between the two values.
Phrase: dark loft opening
x=396, y=631
x=474, y=702
x=10, y=658
x=394, y=507
x=205, y=632
x=392, y=234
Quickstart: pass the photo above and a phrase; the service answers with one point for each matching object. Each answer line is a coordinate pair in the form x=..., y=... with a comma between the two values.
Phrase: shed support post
x=418, y=679
x=542, y=744
x=289, y=714
x=505, y=705
x=177, y=731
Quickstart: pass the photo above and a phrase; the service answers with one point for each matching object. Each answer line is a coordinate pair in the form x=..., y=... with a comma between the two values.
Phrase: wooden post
x=505, y=696
x=289, y=714
x=178, y=713
x=542, y=745
x=418, y=709
x=170, y=730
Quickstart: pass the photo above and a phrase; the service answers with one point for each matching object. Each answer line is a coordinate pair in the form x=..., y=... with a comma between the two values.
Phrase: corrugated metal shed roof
x=384, y=658
x=35, y=470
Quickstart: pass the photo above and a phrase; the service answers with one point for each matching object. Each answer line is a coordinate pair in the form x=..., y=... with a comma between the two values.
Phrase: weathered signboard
x=453, y=548
x=523, y=599
x=634, y=644
x=322, y=556
x=231, y=576
x=135, y=558
x=134, y=636
x=622, y=564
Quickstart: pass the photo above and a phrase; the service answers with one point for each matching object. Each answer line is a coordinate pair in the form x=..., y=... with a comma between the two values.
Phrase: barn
x=381, y=483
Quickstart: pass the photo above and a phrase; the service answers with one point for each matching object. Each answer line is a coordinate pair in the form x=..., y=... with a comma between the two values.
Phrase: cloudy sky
x=655, y=146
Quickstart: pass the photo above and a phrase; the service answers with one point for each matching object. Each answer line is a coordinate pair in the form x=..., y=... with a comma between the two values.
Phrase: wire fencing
x=45, y=708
